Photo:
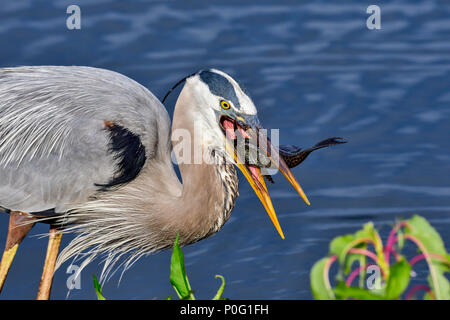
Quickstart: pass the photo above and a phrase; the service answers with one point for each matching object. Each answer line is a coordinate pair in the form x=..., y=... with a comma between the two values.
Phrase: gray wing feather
x=53, y=145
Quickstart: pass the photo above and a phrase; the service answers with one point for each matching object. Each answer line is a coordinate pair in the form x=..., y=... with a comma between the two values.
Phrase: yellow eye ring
x=225, y=105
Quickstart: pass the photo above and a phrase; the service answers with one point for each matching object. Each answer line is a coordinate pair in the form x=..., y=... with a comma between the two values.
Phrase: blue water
x=314, y=70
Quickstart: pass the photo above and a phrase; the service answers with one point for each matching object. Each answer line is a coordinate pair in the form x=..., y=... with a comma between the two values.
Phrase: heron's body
x=56, y=156
x=91, y=149
x=54, y=146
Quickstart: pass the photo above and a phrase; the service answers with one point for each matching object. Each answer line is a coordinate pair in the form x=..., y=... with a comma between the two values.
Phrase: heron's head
x=229, y=121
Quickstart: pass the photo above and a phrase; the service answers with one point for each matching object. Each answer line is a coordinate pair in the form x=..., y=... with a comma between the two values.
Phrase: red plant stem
x=429, y=262
x=416, y=259
x=365, y=252
x=418, y=287
x=397, y=256
x=361, y=240
x=430, y=255
x=393, y=239
x=354, y=274
x=357, y=271
x=326, y=271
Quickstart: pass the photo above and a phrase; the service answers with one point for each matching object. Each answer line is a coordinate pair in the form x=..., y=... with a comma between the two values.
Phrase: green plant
x=178, y=278
x=98, y=288
x=366, y=245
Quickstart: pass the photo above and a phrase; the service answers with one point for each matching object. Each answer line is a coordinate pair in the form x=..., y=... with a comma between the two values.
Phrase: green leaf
x=98, y=288
x=371, y=233
x=340, y=245
x=427, y=296
x=178, y=277
x=168, y=298
x=219, y=293
x=431, y=243
x=398, y=279
x=362, y=273
x=319, y=287
x=368, y=231
x=442, y=290
x=351, y=259
x=344, y=292
x=430, y=238
x=400, y=239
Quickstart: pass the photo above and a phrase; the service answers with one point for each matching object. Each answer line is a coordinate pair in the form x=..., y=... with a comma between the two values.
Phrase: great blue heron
x=88, y=150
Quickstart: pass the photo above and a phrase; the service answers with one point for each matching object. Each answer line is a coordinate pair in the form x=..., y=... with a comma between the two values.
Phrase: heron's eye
x=225, y=105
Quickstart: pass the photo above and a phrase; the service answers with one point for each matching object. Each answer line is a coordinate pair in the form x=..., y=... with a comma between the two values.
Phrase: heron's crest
x=223, y=86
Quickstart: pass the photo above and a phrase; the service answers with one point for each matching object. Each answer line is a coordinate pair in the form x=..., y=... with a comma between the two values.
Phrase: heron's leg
x=54, y=240
x=20, y=223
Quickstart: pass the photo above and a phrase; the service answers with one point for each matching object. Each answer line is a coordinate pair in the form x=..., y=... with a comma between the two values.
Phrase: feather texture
x=56, y=154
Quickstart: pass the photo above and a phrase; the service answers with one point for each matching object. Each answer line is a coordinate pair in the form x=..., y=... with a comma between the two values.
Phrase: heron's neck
x=209, y=189
x=208, y=196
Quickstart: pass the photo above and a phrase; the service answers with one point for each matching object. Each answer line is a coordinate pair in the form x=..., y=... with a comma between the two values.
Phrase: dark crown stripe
x=220, y=86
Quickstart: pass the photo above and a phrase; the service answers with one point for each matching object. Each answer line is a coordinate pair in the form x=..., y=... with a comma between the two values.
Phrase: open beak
x=250, y=165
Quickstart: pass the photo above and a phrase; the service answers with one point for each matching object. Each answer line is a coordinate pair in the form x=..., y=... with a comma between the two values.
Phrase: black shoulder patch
x=128, y=150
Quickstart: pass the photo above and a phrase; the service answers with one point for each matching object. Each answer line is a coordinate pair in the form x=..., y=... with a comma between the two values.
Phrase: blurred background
x=314, y=70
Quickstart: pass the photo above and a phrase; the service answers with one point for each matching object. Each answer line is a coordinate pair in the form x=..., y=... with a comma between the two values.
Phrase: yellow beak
x=253, y=173
x=259, y=186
